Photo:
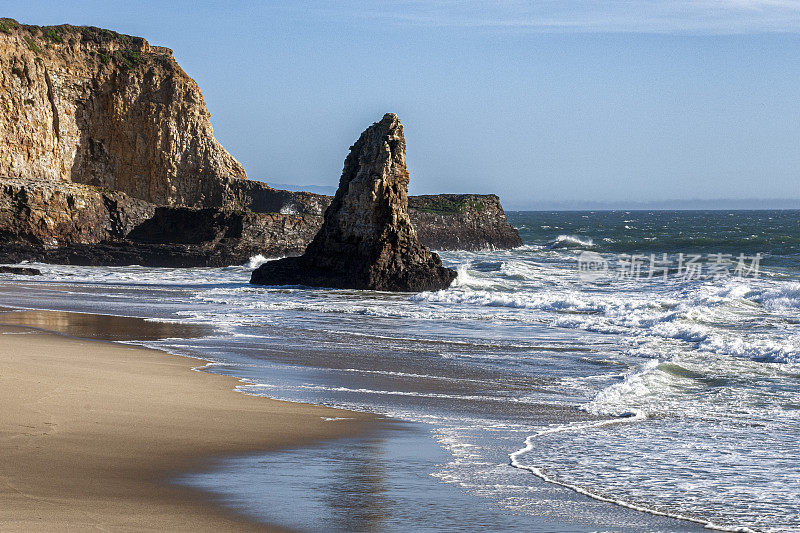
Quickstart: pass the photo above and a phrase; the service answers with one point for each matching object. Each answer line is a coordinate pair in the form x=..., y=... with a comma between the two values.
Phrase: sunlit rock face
x=96, y=107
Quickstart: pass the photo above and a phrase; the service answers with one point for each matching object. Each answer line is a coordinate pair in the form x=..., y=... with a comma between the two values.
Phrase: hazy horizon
x=714, y=204
x=577, y=103
x=723, y=204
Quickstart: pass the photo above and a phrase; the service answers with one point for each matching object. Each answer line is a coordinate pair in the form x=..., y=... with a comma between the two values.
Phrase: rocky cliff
x=98, y=130
x=366, y=240
x=462, y=222
x=442, y=221
x=93, y=106
x=48, y=214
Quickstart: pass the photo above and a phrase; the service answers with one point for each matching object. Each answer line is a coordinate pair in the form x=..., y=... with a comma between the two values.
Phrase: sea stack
x=366, y=240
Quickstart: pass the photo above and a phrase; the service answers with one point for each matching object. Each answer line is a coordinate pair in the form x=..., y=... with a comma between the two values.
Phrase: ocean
x=658, y=389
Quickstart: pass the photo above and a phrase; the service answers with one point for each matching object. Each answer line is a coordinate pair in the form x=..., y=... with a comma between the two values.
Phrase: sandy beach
x=91, y=431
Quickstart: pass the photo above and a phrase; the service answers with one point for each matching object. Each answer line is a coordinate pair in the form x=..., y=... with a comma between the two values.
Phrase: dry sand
x=91, y=431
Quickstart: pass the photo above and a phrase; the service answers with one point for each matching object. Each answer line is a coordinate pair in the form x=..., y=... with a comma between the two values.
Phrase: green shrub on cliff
x=90, y=34
x=447, y=206
x=127, y=59
x=124, y=59
x=6, y=25
x=53, y=33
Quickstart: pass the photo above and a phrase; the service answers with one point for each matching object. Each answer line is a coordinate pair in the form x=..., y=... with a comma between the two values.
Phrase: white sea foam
x=256, y=261
x=570, y=241
x=614, y=400
x=517, y=461
x=431, y=395
x=783, y=297
x=467, y=279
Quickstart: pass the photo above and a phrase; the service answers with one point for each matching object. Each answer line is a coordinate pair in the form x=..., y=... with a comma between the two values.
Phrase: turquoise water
x=600, y=403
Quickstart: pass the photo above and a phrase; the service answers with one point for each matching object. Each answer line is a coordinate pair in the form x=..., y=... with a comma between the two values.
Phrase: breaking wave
x=570, y=241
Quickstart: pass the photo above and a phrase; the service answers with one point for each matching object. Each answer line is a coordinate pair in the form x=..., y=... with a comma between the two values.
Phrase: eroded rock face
x=96, y=107
x=69, y=223
x=366, y=240
x=51, y=214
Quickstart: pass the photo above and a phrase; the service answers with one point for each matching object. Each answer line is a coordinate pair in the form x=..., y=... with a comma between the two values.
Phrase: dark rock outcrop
x=442, y=221
x=52, y=213
x=20, y=271
x=462, y=222
x=67, y=223
x=366, y=240
x=216, y=237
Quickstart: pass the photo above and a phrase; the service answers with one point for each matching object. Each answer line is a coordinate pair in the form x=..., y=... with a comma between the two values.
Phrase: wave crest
x=570, y=242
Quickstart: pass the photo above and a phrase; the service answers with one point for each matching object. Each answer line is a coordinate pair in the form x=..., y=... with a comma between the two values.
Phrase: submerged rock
x=366, y=240
x=22, y=271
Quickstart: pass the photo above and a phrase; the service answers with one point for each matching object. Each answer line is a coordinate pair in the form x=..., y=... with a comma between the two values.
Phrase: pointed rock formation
x=367, y=240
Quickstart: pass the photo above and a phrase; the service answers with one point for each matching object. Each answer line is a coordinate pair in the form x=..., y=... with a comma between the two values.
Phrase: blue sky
x=549, y=103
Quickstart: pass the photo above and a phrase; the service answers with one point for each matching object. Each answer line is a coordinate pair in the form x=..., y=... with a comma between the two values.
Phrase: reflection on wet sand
x=377, y=482
x=356, y=492
x=101, y=327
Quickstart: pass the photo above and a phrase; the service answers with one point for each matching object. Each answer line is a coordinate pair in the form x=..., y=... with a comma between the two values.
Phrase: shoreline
x=201, y=507
x=94, y=432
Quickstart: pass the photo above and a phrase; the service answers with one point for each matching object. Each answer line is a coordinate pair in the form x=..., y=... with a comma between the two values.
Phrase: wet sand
x=91, y=431
x=102, y=327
